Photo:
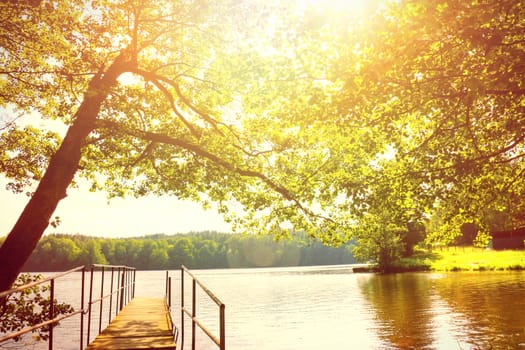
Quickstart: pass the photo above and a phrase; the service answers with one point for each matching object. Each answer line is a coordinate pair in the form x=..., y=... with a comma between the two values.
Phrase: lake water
x=332, y=308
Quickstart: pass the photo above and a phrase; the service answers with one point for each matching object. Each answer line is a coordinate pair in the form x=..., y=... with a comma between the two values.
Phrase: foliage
x=17, y=153
x=29, y=307
x=438, y=87
x=320, y=117
x=193, y=112
x=58, y=252
x=482, y=240
x=379, y=240
x=165, y=97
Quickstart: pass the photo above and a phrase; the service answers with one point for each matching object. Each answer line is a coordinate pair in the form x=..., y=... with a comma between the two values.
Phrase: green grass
x=464, y=259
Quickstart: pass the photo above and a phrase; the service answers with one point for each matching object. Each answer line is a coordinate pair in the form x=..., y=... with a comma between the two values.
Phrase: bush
x=29, y=307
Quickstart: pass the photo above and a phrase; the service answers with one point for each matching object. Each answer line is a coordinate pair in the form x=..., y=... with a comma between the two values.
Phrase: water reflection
x=493, y=304
x=448, y=311
x=403, y=307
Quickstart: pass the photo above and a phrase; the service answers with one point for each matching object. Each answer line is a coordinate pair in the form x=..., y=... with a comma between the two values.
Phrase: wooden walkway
x=145, y=323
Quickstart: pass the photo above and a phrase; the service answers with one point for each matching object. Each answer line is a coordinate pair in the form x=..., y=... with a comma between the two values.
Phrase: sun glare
x=344, y=5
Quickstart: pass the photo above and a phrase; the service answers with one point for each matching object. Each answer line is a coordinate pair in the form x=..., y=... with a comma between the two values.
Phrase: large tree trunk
x=62, y=167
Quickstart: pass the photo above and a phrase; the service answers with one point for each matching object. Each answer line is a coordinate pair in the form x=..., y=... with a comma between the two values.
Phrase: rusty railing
x=220, y=341
x=123, y=292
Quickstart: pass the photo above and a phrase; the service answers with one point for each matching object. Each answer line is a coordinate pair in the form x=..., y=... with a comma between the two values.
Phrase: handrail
x=52, y=320
x=167, y=298
x=35, y=283
x=219, y=341
x=124, y=293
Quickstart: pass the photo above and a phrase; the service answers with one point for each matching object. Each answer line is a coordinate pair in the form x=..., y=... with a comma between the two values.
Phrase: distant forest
x=58, y=252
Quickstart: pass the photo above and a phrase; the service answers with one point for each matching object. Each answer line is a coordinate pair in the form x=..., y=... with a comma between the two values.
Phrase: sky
x=90, y=214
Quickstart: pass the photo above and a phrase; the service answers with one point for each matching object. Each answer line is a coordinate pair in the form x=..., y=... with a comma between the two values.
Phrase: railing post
x=127, y=287
x=182, y=316
x=133, y=290
x=89, y=305
x=101, y=301
x=222, y=330
x=193, y=311
x=111, y=293
x=118, y=292
x=122, y=289
x=130, y=285
x=82, y=309
x=169, y=292
x=166, y=285
x=51, y=312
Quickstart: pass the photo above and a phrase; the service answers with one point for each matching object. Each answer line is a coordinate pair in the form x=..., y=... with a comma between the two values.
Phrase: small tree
x=380, y=241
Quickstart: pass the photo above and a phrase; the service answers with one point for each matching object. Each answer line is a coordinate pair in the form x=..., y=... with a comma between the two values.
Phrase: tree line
x=57, y=252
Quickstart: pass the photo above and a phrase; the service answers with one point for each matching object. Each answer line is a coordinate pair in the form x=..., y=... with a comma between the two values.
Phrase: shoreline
x=455, y=259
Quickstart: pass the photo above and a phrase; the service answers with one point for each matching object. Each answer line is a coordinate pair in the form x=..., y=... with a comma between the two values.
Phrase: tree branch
x=156, y=79
x=197, y=150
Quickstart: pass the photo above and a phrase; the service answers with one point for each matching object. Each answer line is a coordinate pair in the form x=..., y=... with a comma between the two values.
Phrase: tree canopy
x=334, y=120
x=453, y=74
x=153, y=94
x=428, y=104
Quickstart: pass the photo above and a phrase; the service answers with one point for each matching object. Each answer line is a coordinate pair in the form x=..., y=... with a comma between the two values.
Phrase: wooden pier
x=144, y=323
x=134, y=323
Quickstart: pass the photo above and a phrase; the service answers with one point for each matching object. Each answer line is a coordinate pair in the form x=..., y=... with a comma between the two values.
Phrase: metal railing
x=167, y=296
x=124, y=293
x=219, y=341
x=51, y=319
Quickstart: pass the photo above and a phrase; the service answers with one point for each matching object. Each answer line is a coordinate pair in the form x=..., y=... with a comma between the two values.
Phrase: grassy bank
x=464, y=259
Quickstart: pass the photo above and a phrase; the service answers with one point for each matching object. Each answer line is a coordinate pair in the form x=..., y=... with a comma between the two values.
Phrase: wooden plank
x=145, y=323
